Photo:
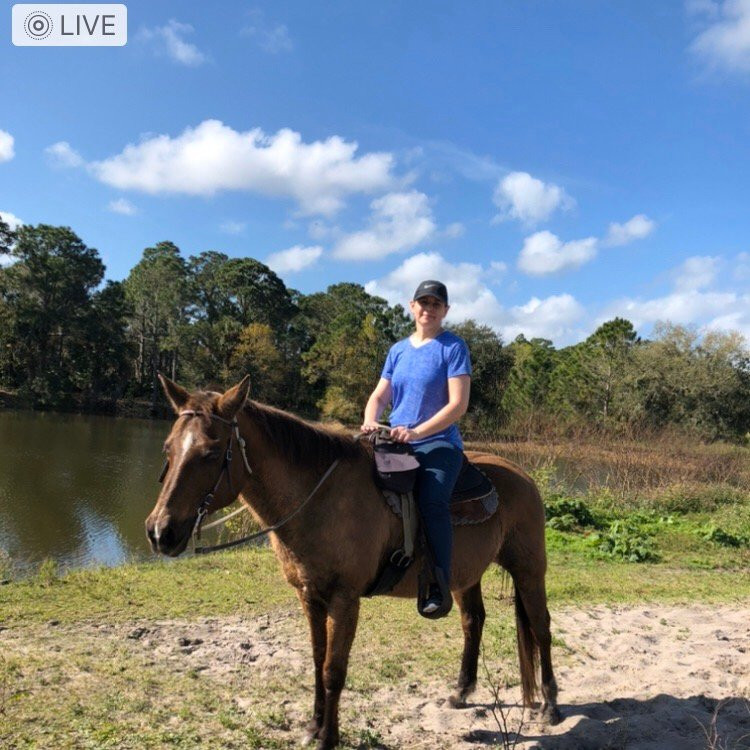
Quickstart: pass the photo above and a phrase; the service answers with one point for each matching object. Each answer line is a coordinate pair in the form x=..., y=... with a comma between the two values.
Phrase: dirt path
x=650, y=678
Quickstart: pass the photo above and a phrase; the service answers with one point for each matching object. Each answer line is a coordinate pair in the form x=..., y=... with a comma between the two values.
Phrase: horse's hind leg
x=531, y=606
x=472, y=621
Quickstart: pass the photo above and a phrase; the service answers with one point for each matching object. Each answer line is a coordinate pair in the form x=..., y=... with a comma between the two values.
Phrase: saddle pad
x=474, y=497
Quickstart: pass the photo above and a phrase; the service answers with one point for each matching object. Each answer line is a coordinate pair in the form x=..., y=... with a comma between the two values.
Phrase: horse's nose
x=166, y=539
x=152, y=532
x=162, y=534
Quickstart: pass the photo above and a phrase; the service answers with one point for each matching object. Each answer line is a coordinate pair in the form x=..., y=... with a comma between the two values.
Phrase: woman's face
x=428, y=311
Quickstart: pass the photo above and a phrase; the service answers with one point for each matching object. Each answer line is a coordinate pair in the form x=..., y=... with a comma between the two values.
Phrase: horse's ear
x=234, y=399
x=176, y=394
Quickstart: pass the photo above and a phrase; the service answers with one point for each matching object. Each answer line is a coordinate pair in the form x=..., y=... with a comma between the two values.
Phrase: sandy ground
x=654, y=678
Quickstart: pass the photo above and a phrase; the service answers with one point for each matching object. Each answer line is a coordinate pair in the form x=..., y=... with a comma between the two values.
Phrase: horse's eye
x=211, y=453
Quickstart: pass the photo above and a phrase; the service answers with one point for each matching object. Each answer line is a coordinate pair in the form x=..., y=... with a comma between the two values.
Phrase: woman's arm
x=379, y=399
x=459, y=388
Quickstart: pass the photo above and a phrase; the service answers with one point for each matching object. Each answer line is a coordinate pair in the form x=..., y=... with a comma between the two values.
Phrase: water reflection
x=76, y=488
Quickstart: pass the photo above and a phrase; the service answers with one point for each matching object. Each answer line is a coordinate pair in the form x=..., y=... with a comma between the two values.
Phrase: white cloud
x=499, y=267
x=446, y=155
x=682, y=307
x=696, y=273
x=637, y=228
x=554, y=317
x=725, y=42
x=7, y=141
x=454, y=230
x=708, y=8
x=319, y=230
x=233, y=227
x=544, y=253
x=61, y=154
x=735, y=319
x=523, y=197
x=11, y=220
x=399, y=222
x=294, y=259
x=213, y=157
x=272, y=37
x=168, y=40
x=742, y=267
x=122, y=206
x=689, y=302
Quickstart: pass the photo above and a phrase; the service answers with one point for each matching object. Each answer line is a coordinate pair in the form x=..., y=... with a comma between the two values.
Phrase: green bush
x=626, y=540
x=564, y=513
x=566, y=522
x=712, y=533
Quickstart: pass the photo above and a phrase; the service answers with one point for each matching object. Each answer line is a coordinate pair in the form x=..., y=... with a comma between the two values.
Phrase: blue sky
x=556, y=163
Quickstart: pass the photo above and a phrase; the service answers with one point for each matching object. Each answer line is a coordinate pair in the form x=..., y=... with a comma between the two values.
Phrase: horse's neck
x=275, y=488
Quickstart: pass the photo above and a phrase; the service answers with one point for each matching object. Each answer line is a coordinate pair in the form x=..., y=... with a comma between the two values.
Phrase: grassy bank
x=249, y=583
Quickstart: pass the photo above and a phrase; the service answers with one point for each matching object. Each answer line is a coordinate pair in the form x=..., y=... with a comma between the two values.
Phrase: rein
x=269, y=529
x=225, y=468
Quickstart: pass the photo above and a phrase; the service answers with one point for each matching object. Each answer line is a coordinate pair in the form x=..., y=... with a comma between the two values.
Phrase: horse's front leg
x=472, y=621
x=316, y=617
x=343, y=613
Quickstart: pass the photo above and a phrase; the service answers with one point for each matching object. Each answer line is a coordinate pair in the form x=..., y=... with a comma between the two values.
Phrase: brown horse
x=332, y=550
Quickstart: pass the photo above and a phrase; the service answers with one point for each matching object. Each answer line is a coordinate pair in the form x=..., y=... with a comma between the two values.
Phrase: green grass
x=246, y=582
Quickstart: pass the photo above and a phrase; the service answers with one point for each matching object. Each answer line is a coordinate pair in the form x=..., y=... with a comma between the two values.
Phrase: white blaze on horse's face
x=187, y=440
x=190, y=445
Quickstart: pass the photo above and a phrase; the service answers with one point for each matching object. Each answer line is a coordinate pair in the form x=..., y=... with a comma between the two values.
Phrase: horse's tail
x=527, y=649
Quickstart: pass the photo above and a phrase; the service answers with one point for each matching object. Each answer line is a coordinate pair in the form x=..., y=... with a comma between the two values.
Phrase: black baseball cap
x=431, y=288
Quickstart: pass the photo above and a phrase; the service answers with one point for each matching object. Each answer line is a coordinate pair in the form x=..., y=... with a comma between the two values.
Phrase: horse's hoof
x=551, y=714
x=311, y=733
x=326, y=744
x=458, y=699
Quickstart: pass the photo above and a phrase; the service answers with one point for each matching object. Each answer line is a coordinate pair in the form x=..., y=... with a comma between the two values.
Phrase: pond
x=77, y=488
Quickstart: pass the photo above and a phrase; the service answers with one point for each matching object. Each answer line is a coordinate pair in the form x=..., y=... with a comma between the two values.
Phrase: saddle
x=474, y=500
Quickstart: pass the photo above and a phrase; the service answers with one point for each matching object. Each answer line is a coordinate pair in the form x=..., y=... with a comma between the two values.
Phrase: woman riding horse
x=427, y=377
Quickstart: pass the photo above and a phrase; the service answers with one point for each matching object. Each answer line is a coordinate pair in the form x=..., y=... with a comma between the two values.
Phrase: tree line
x=70, y=340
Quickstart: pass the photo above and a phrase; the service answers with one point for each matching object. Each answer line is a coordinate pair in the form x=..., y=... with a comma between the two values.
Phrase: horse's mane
x=305, y=444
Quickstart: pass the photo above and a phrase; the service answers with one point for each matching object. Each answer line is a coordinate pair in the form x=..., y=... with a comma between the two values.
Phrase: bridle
x=226, y=465
x=225, y=469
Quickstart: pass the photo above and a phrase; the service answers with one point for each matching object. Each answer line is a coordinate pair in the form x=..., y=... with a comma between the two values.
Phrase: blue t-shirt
x=419, y=381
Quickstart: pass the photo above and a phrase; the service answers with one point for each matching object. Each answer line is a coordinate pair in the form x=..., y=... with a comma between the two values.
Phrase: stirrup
x=424, y=594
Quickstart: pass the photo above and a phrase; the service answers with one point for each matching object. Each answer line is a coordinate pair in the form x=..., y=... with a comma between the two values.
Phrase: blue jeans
x=439, y=465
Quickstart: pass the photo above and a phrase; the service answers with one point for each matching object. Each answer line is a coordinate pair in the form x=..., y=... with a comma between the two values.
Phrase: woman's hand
x=403, y=434
x=370, y=427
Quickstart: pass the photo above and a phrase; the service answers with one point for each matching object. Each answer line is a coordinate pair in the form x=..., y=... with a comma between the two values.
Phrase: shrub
x=626, y=540
x=563, y=513
x=712, y=533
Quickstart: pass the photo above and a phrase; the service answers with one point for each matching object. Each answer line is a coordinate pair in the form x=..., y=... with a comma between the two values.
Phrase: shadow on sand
x=660, y=723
